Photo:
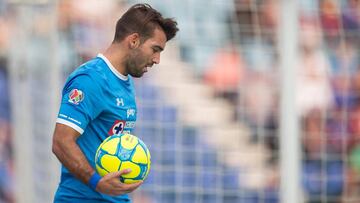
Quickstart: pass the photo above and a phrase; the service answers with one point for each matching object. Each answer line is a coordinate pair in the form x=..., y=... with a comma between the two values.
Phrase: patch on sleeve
x=76, y=96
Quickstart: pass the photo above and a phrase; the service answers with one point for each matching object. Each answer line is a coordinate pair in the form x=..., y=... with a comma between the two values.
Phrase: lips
x=147, y=66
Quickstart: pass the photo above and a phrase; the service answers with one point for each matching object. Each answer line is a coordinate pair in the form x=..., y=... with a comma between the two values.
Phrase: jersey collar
x=112, y=68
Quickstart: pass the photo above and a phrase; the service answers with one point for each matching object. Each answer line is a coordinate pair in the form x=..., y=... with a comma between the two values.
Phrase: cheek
x=136, y=58
x=144, y=58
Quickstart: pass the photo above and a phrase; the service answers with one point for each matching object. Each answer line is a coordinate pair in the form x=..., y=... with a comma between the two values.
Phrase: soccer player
x=98, y=100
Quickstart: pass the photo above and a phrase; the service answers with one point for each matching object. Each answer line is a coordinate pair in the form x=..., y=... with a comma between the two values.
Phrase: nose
x=156, y=58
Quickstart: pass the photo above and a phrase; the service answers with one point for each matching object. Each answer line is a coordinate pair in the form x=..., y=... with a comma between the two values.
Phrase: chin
x=139, y=75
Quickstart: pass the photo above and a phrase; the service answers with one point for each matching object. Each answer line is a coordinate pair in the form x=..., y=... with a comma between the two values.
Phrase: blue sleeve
x=80, y=102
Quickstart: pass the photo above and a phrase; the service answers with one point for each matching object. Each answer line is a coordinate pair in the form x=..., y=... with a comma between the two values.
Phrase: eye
x=156, y=49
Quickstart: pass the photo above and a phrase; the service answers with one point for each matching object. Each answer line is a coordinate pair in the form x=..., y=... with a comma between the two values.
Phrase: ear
x=133, y=40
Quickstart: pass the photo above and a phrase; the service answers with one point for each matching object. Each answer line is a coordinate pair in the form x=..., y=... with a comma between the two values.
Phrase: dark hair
x=143, y=19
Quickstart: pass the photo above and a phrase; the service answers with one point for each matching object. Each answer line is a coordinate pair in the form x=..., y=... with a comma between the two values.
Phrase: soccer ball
x=122, y=151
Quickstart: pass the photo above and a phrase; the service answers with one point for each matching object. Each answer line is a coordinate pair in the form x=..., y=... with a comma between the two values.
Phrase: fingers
x=131, y=187
x=135, y=185
x=112, y=185
x=119, y=173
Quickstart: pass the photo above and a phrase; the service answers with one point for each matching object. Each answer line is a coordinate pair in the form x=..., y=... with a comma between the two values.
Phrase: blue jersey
x=97, y=101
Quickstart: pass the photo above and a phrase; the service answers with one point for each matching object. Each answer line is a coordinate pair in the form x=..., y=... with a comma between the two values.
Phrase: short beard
x=132, y=65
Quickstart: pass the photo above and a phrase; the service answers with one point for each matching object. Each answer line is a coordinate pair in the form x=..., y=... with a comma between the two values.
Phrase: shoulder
x=92, y=71
x=90, y=75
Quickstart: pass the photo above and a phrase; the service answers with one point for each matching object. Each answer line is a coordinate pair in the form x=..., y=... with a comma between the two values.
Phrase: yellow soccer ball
x=123, y=151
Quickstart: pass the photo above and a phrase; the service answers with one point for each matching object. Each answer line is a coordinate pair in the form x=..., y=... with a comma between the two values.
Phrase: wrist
x=94, y=180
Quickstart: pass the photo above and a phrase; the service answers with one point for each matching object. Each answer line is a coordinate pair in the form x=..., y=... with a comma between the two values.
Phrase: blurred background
x=210, y=113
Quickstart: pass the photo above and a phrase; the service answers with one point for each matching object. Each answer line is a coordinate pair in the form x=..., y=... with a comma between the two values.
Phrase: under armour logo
x=119, y=102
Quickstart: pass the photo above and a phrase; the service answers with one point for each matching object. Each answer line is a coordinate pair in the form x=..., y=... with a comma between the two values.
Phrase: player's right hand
x=110, y=184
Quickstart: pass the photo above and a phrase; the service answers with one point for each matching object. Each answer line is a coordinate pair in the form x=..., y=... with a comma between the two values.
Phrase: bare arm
x=68, y=152
x=70, y=155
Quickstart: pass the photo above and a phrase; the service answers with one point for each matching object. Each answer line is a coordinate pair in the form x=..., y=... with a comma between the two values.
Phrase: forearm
x=70, y=155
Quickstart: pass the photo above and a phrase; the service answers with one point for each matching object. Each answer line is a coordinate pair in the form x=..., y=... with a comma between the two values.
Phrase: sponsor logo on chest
x=130, y=113
x=121, y=126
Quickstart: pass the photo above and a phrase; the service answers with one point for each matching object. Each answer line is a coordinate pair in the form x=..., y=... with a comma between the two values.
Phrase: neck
x=116, y=54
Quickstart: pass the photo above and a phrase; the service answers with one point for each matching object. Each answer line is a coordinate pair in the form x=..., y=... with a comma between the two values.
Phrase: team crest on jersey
x=117, y=128
x=76, y=96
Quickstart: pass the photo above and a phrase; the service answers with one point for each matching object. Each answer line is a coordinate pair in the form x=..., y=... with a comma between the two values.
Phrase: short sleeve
x=81, y=102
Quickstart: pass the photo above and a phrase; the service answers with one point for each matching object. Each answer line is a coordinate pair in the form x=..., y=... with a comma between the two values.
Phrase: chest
x=120, y=111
